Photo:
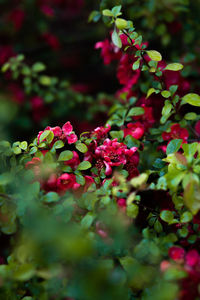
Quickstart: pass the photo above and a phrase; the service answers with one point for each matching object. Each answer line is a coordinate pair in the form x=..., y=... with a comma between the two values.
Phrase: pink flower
x=176, y=253
x=65, y=133
x=176, y=132
x=164, y=265
x=136, y=130
x=67, y=130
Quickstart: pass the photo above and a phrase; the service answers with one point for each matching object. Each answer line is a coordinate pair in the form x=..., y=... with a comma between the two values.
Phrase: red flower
x=109, y=52
x=125, y=74
x=50, y=185
x=51, y=40
x=197, y=128
x=125, y=42
x=176, y=253
x=67, y=181
x=101, y=132
x=111, y=154
x=38, y=108
x=17, y=93
x=6, y=51
x=36, y=161
x=192, y=258
x=74, y=162
x=176, y=132
x=121, y=202
x=136, y=130
x=34, y=164
x=47, y=10
x=147, y=118
x=17, y=18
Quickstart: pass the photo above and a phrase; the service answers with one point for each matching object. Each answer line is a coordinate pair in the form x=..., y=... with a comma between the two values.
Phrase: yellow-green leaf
x=174, y=67
x=121, y=23
x=154, y=55
x=150, y=92
x=192, y=99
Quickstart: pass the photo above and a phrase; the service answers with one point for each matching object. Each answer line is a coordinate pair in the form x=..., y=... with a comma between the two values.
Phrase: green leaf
x=158, y=226
x=24, y=272
x=190, y=149
x=132, y=210
x=173, y=89
x=167, y=108
x=154, y=55
x=51, y=197
x=38, y=67
x=44, y=135
x=192, y=99
x=136, y=64
x=121, y=23
x=116, y=39
x=174, y=67
x=167, y=216
x=116, y=10
x=16, y=150
x=166, y=94
x=81, y=147
x=117, y=134
x=139, y=180
x=107, y=13
x=5, y=67
x=58, y=144
x=186, y=217
x=173, y=146
x=150, y=91
x=80, y=179
x=87, y=221
x=94, y=16
x=190, y=116
x=65, y=155
x=192, y=197
x=45, y=80
x=84, y=165
x=136, y=111
x=131, y=142
x=23, y=145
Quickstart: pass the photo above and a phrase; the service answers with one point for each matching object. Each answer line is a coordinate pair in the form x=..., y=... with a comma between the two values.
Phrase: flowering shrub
x=113, y=212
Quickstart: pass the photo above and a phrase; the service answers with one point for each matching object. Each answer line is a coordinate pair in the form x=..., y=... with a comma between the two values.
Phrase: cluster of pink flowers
x=103, y=153
x=64, y=134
